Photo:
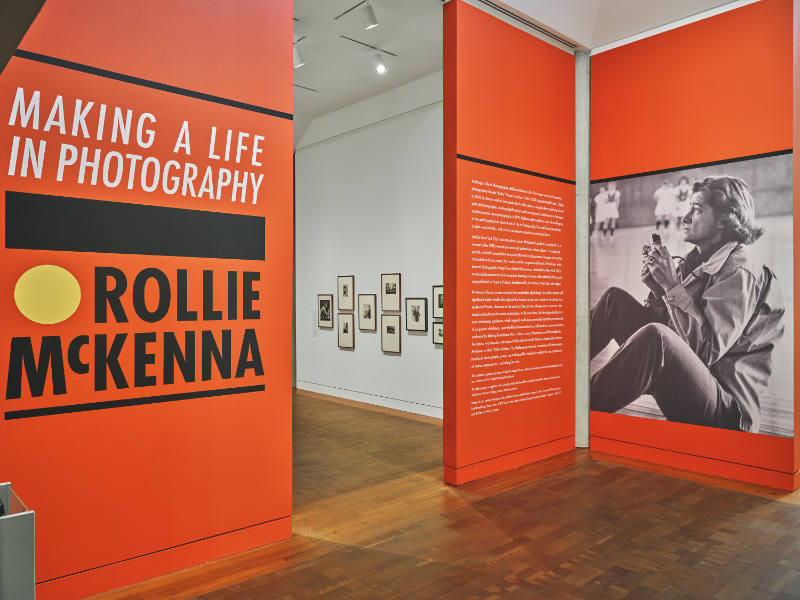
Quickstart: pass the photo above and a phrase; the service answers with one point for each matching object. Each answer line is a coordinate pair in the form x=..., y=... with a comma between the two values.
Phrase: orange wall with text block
x=711, y=91
x=509, y=160
x=161, y=434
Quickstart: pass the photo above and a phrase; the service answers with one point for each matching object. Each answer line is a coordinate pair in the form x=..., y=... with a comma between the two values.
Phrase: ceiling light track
x=381, y=50
x=367, y=14
x=538, y=28
x=349, y=9
x=305, y=88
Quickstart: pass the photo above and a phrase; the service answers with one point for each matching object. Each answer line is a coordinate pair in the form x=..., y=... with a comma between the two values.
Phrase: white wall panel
x=370, y=202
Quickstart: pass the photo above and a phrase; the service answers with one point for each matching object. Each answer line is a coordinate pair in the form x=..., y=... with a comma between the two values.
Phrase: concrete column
x=582, y=116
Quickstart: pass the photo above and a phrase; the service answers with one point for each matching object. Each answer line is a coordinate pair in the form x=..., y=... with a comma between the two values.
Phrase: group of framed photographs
x=366, y=307
x=438, y=313
x=345, y=300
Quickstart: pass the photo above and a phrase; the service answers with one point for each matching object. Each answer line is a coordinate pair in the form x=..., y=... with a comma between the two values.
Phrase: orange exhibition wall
x=717, y=91
x=145, y=278
x=509, y=245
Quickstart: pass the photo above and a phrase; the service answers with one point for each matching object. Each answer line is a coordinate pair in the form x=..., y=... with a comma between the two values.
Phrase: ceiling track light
x=368, y=14
x=297, y=58
x=377, y=57
x=380, y=64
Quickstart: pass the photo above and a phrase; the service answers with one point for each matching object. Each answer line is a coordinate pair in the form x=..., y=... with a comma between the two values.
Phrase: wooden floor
x=373, y=520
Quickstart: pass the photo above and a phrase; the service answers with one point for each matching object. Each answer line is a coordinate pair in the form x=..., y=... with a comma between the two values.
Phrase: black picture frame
x=437, y=302
x=391, y=300
x=346, y=335
x=345, y=292
x=364, y=322
x=416, y=314
x=325, y=323
x=390, y=341
x=437, y=332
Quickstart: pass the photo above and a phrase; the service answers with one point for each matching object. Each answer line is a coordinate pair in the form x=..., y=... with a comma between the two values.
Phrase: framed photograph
x=367, y=319
x=325, y=310
x=390, y=291
x=390, y=333
x=438, y=333
x=438, y=302
x=347, y=337
x=346, y=287
x=416, y=314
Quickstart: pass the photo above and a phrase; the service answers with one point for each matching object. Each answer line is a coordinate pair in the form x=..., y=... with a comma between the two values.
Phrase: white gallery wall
x=368, y=200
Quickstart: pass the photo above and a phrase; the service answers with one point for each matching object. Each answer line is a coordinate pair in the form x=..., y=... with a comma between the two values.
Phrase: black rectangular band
x=489, y=163
x=162, y=87
x=42, y=222
x=722, y=161
x=141, y=401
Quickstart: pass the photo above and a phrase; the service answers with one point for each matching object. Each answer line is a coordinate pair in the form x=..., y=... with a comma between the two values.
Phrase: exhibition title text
x=151, y=357
x=129, y=166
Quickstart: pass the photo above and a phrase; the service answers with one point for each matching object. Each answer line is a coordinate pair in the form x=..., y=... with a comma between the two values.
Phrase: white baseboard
x=384, y=401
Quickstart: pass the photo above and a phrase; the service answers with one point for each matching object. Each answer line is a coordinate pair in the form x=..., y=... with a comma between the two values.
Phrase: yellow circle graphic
x=47, y=294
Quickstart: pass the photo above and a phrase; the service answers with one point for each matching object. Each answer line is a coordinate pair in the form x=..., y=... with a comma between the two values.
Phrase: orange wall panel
x=714, y=89
x=516, y=96
x=717, y=89
x=121, y=484
x=227, y=49
x=509, y=160
x=796, y=166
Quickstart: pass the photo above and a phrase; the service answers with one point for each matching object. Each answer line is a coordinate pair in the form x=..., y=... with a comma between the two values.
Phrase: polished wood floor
x=373, y=520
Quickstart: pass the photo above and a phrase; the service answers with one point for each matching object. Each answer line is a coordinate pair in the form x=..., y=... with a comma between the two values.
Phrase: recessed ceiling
x=339, y=72
x=593, y=23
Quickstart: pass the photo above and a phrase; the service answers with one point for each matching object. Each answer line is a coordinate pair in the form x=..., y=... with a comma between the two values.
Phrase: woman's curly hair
x=732, y=202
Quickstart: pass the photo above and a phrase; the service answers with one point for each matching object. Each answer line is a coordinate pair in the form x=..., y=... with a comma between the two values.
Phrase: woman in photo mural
x=702, y=343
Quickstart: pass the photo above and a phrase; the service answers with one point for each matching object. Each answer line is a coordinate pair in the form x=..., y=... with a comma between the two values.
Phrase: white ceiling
x=342, y=71
x=593, y=23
